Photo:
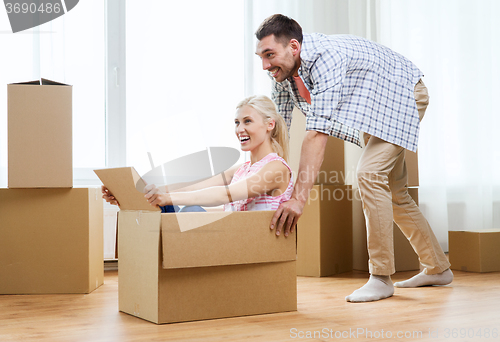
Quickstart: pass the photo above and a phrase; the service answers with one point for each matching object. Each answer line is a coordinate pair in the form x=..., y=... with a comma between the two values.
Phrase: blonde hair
x=266, y=107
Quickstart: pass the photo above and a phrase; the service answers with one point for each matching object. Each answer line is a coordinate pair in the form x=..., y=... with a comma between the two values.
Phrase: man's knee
x=369, y=178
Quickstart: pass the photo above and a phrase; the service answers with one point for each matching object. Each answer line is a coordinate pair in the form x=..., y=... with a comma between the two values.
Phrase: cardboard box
x=333, y=169
x=194, y=266
x=40, y=135
x=405, y=258
x=51, y=240
x=475, y=251
x=324, y=232
x=411, y=159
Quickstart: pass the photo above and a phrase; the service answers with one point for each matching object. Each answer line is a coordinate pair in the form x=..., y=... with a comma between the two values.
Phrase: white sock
x=423, y=279
x=377, y=287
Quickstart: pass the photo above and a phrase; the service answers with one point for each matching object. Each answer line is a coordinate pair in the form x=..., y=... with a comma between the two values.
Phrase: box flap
x=42, y=81
x=125, y=183
x=36, y=82
x=480, y=231
x=229, y=239
x=49, y=82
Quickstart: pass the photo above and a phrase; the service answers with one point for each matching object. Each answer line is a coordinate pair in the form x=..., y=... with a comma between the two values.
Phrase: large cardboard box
x=324, y=232
x=51, y=240
x=195, y=266
x=405, y=258
x=475, y=251
x=40, y=135
x=333, y=170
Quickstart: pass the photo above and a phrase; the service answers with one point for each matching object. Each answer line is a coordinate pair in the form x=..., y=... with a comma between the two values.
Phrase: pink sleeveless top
x=262, y=202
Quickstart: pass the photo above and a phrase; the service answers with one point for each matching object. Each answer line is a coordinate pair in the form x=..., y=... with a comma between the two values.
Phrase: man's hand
x=156, y=197
x=311, y=157
x=108, y=196
x=286, y=217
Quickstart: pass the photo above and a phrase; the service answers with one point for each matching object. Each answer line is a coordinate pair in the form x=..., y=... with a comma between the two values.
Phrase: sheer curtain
x=455, y=44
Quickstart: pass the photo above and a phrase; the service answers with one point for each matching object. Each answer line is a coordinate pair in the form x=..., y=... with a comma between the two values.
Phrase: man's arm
x=311, y=158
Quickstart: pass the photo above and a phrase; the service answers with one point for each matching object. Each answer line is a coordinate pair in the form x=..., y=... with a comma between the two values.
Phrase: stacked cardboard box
x=475, y=251
x=194, y=266
x=40, y=135
x=324, y=231
x=51, y=238
x=323, y=245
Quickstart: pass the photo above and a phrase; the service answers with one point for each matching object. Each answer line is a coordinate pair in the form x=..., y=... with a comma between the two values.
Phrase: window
x=184, y=73
x=161, y=77
x=69, y=49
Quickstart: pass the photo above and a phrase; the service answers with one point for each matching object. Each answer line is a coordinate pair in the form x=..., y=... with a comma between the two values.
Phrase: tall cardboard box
x=40, y=135
x=194, y=266
x=475, y=251
x=324, y=232
x=405, y=258
x=51, y=240
x=332, y=170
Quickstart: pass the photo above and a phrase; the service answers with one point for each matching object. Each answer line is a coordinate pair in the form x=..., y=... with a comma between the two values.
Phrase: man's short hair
x=282, y=27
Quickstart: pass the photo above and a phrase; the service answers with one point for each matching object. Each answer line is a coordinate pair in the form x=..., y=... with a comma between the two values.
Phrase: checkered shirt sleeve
x=283, y=100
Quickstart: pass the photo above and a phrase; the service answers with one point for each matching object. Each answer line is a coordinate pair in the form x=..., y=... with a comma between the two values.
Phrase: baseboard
x=111, y=265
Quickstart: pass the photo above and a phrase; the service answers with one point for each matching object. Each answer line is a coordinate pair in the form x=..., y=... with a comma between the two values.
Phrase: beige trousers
x=382, y=181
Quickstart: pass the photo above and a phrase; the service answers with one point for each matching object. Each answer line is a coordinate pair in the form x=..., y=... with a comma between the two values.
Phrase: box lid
x=126, y=185
x=42, y=81
x=230, y=238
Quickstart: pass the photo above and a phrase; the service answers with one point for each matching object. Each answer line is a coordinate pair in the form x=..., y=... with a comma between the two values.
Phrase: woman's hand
x=108, y=196
x=156, y=197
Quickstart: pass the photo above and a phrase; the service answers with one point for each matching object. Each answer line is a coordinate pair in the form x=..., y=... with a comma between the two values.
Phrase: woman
x=262, y=183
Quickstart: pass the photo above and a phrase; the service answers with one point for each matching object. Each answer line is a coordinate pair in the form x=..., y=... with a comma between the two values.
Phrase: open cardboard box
x=194, y=266
x=40, y=135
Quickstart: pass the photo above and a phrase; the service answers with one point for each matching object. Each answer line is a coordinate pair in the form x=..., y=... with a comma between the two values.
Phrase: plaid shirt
x=355, y=85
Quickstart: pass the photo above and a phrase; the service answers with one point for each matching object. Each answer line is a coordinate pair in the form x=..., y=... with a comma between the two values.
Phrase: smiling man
x=346, y=85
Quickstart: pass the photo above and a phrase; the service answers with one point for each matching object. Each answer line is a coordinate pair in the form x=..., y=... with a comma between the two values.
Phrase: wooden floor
x=461, y=312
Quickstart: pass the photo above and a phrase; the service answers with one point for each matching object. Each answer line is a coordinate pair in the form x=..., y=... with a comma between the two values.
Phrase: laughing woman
x=262, y=183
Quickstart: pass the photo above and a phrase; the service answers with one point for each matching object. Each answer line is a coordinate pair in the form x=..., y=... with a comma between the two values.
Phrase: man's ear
x=295, y=46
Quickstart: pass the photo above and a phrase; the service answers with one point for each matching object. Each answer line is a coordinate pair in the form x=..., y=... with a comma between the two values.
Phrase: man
x=346, y=85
